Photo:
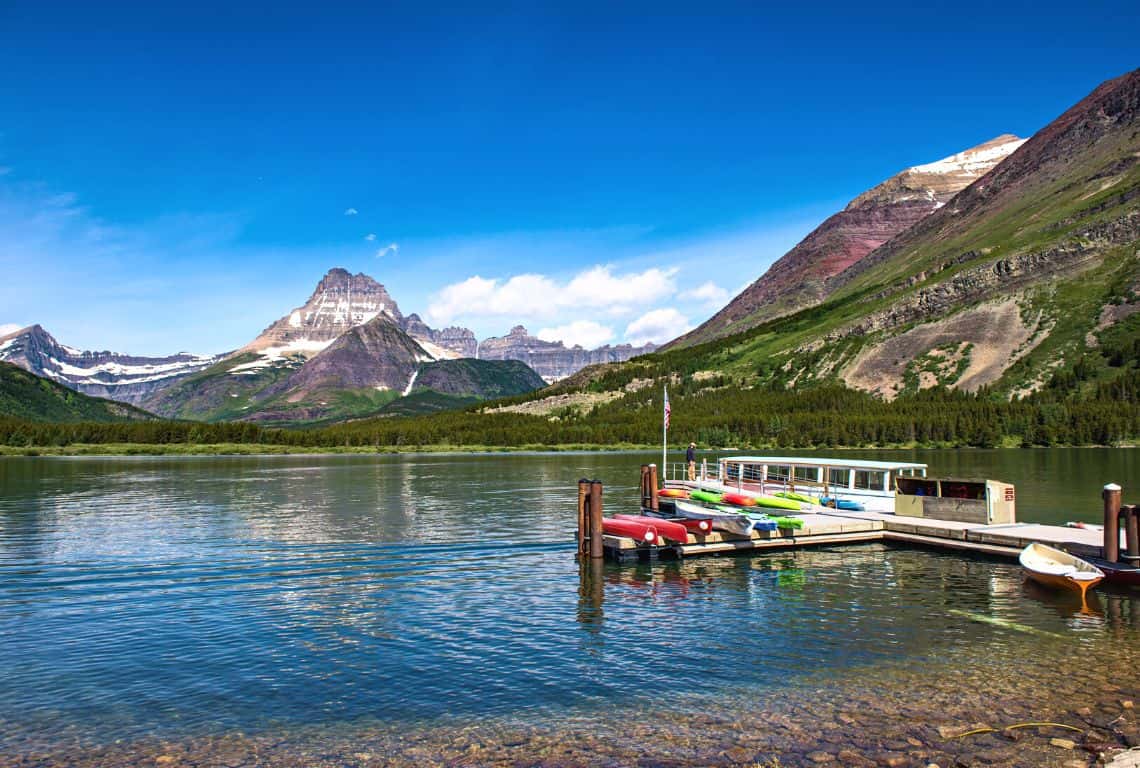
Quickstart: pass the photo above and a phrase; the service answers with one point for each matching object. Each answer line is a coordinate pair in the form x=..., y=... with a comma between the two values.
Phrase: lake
x=424, y=609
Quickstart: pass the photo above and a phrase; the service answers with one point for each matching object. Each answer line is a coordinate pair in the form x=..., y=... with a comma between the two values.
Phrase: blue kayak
x=844, y=504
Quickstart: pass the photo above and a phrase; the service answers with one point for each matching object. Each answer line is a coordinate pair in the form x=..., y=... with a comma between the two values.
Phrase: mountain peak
x=341, y=301
x=798, y=279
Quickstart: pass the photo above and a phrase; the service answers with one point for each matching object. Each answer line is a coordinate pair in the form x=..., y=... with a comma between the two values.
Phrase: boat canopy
x=807, y=461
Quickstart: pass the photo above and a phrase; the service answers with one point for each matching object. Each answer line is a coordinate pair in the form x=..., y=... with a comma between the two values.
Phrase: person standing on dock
x=691, y=460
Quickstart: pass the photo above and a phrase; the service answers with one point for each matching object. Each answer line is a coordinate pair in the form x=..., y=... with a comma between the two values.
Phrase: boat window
x=779, y=473
x=870, y=480
x=753, y=472
x=809, y=474
x=840, y=477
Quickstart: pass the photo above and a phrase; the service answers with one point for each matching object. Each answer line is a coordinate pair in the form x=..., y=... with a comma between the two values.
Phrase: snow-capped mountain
x=113, y=375
x=799, y=278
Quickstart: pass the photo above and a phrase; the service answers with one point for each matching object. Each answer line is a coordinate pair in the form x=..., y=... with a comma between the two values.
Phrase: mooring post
x=654, y=504
x=583, y=517
x=1131, y=533
x=644, y=486
x=596, y=549
x=1111, y=496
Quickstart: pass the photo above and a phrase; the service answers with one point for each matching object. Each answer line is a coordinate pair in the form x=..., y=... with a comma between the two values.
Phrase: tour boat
x=849, y=482
x=1058, y=569
x=631, y=529
x=667, y=528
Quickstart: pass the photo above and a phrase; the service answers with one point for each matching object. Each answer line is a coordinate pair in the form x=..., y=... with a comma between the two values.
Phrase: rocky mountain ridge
x=1027, y=279
x=111, y=375
x=553, y=360
x=799, y=278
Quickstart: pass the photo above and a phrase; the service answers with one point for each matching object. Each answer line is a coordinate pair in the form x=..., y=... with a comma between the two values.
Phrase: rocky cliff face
x=446, y=344
x=799, y=278
x=111, y=375
x=377, y=355
x=552, y=359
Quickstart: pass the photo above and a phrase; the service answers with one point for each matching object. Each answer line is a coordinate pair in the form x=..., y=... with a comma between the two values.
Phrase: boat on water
x=850, y=483
x=1058, y=569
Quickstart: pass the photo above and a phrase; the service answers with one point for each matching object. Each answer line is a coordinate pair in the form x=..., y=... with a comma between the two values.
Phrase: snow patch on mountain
x=975, y=162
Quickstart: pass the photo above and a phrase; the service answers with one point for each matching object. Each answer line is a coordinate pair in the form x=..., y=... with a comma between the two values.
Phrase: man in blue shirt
x=691, y=460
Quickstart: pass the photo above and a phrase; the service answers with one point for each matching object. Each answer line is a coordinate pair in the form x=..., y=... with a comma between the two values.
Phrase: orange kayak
x=673, y=493
x=738, y=500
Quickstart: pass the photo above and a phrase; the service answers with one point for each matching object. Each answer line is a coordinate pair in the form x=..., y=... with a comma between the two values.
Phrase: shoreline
x=264, y=449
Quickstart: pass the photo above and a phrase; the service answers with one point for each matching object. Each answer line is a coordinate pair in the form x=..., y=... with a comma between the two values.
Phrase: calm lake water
x=175, y=598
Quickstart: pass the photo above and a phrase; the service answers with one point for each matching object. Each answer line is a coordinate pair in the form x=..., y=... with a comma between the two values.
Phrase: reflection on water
x=189, y=597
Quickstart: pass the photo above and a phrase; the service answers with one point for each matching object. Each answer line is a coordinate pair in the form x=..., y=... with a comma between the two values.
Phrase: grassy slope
x=26, y=396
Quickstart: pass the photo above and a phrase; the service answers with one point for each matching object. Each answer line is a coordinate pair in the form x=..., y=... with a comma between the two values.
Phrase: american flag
x=667, y=411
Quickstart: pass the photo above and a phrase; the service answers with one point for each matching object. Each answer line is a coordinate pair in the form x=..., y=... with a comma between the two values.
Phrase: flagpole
x=665, y=437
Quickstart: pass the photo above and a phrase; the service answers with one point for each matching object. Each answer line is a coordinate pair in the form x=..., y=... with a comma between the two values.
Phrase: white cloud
x=6, y=328
x=658, y=326
x=587, y=333
x=707, y=293
x=370, y=237
x=350, y=211
x=392, y=248
x=530, y=296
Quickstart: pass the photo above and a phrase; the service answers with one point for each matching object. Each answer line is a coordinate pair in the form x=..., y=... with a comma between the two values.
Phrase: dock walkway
x=841, y=527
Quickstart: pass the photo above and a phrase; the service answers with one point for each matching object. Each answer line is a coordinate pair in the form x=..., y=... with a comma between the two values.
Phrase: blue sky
x=178, y=178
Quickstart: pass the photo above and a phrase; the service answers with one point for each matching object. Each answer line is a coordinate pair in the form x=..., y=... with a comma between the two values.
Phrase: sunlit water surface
x=182, y=596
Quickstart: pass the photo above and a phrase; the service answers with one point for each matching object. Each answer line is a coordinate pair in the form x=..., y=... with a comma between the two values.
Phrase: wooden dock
x=832, y=527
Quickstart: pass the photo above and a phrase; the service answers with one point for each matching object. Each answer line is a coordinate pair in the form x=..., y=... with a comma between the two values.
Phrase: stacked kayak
x=729, y=522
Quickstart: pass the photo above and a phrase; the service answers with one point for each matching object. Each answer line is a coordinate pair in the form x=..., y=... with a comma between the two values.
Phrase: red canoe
x=667, y=528
x=631, y=529
x=739, y=500
x=697, y=526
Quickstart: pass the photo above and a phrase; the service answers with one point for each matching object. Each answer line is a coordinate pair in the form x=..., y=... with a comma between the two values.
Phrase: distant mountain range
x=346, y=352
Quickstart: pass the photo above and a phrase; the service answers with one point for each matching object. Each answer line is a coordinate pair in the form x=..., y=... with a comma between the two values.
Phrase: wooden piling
x=654, y=504
x=583, y=517
x=1111, y=496
x=596, y=548
x=644, y=486
x=1131, y=515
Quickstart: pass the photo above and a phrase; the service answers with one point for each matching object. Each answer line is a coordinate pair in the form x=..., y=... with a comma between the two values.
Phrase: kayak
x=673, y=493
x=789, y=522
x=844, y=504
x=667, y=528
x=797, y=497
x=760, y=519
x=729, y=522
x=775, y=503
x=738, y=499
x=630, y=529
x=701, y=526
x=706, y=496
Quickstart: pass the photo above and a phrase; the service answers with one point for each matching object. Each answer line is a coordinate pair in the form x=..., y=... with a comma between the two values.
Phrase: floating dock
x=833, y=527
x=976, y=529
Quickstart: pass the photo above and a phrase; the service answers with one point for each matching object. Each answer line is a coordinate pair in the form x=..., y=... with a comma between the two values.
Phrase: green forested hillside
x=26, y=396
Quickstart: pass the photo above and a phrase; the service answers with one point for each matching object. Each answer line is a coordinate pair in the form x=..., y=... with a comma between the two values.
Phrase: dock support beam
x=1131, y=515
x=653, y=481
x=596, y=548
x=583, y=518
x=1111, y=496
